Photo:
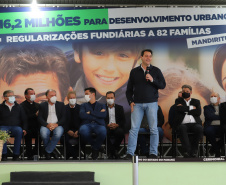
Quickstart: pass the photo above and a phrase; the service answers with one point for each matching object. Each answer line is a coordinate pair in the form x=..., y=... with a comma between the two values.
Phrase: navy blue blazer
x=209, y=113
x=44, y=112
x=95, y=115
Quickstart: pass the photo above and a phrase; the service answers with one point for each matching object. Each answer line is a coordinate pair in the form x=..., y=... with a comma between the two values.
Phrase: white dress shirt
x=111, y=112
x=52, y=117
x=188, y=118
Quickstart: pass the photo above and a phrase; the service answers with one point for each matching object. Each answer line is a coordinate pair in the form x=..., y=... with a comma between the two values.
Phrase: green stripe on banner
x=53, y=21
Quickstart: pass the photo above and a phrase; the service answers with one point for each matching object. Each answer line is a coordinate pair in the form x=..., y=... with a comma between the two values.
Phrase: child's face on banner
x=40, y=82
x=107, y=70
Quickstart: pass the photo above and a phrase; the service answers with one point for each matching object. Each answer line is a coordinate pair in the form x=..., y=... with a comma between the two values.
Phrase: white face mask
x=110, y=101
x=72, y=101
x=213, y=100
x=32, y=97
x=87, y=98
x=12, y=99
x=53, y=99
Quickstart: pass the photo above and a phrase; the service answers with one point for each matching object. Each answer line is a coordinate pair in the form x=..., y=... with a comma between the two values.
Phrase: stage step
x=52, y=183
x=51, y=176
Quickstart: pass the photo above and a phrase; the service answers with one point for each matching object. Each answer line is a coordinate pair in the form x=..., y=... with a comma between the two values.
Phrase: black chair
x=175, y=136
x=207, y=144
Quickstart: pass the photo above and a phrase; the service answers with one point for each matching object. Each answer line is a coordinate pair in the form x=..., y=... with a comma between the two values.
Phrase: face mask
x=72, y=101
x=32, y=97
x=185, y=95
x=110, y=101
x=12, y=99
x=87, y=98
x=53, y=99
x=213, y=100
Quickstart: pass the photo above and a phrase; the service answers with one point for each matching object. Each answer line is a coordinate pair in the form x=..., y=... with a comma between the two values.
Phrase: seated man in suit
x=144, y=128
x=93, y=114
x=115, y=123
x=187, y=120
x=12, y=119
x=72, y=125
x=212, y=123
x=31, y=110
x=52, y=117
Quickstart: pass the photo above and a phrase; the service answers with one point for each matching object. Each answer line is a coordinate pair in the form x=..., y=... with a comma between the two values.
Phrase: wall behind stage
x=76, y=48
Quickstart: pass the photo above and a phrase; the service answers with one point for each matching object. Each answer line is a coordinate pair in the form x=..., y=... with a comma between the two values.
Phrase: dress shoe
x=102, y=150
x=152, y=156
x=4, y=157
x=48, y=156
x=186, y=155
x=16, y=158
x=110, y=156
x=128, y=157
x=115, y=154
x=95, y=154
x=55, y=154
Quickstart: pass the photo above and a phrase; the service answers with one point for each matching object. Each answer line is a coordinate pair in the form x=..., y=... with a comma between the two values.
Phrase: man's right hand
x=131, y=105
x=49, y=126
x=70, y=133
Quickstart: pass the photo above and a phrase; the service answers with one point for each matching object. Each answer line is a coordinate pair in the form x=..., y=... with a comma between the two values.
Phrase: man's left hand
x=25, y=132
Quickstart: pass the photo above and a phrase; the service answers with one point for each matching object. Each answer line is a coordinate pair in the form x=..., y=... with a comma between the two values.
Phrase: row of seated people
x=93, y=117
x=184, y=119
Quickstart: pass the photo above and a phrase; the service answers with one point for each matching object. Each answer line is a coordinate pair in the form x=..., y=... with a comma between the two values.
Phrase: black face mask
x=185, y=95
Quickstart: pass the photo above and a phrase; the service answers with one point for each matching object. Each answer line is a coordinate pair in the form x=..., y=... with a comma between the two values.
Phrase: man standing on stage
x=142, y=95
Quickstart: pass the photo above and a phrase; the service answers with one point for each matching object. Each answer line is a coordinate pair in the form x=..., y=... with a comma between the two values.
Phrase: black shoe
x=186, y=155
x=128, y=157
x=115, y=154
x=111, y=156
x=4, y=157
x=54, y=154
x=102, y=150
x=48, y=156
x=16, y=158
x=95, y=154
x=152, y=156
x=30, y=158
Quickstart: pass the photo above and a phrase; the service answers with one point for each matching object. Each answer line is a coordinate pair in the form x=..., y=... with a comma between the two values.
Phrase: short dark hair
x=7, y=92
x=110, y=92
x=90, y=89
x=187, y=86
x=218, y=61
x=34, y=58
x=148, y=50
x=47, y=92
x=26, y=90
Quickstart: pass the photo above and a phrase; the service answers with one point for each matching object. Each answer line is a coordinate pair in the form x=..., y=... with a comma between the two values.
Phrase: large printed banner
x=74, y=49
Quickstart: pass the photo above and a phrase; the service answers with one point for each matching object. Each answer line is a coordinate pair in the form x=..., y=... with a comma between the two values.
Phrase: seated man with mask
x=212, y=123
x=187, y=120
x=52, y=117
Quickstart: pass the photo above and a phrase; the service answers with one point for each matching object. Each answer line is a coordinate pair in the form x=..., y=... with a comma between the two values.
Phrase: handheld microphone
x=147, y=71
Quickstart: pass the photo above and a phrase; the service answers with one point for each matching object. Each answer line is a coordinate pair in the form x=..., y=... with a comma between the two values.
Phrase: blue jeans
x=150, y=109
x=142, y=139
x=17, y=133
x=86, y=131
x=45, y=135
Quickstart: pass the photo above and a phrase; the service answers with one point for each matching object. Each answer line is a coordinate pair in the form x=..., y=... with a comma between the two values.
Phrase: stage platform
x=119, y=172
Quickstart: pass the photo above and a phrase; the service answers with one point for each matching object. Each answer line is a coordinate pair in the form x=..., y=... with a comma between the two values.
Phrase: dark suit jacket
x=222, y=114
x=119, y=116
x=95, y=115
x=180, y=111
x=44, y=112
x=75, y=123
x=209, y=113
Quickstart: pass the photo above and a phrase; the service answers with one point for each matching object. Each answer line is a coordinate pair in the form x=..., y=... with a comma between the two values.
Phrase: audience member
x=72, y=126
x=115, y=123
x=92, y=114
x=31, y=109
x=52, y=117
x=13, y=120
